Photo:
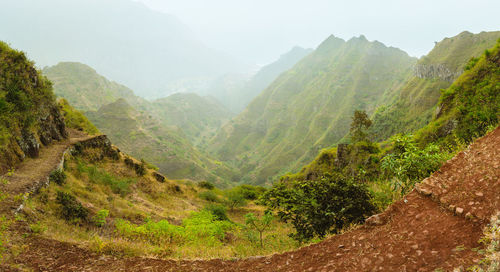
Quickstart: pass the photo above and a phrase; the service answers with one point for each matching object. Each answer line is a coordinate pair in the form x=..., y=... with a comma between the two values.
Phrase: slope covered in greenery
x=237, y=91
x=142, y=136
x=414, y=105
x=309, y=107
x=29, y=116
x=84, y=88
x=469, y=108
x=198, y=117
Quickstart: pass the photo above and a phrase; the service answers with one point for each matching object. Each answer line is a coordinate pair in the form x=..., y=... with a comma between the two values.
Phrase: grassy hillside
x=308, y=107
x=469, y=108
x=237, y=91
x=141, y=135
x=84, y=88
x=29, y=116
x=198, y=117
x=414, y=105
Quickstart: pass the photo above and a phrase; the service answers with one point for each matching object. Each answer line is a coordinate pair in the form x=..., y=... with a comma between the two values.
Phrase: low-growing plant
x=234, y=199
x=58, y=177
x=99, y=218
x=37, y=228
x=71, y=209
x=218, y=211
x=118, y=185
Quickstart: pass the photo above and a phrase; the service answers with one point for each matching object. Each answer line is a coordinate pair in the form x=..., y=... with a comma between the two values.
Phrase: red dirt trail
x=426, y=232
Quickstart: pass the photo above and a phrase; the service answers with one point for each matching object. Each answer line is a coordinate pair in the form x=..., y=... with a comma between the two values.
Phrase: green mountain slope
x=468, y=109
x=309, y=107
x=84, y=88
x=414, y=105
x=198, y=117
x=237, y=91
x=142, y=136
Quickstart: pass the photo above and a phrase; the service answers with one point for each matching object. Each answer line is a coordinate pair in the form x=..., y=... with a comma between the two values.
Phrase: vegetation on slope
x=28, y=111
x=142, y=136
x=75, y=119
x=308, y=107
x=198, y=117
x=415, y=104
x=105, y=206
x=237, y=91
x=468, y=109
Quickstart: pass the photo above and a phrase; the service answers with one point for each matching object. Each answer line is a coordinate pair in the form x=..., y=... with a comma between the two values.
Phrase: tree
x=359, y=126
x=259, y=224
x=319, y=207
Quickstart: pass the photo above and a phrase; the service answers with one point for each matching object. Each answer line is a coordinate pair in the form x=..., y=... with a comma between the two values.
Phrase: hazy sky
x=258, y=31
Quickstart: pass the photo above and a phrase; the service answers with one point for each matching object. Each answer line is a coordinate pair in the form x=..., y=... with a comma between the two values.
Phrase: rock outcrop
x=430, y=71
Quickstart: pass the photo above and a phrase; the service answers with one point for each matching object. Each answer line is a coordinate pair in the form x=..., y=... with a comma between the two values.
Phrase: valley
x=128, y=144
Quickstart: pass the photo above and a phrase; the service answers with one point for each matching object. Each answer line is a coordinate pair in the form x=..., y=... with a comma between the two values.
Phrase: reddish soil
x=420, y=234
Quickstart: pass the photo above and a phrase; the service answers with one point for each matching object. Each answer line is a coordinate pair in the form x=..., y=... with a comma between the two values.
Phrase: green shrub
x=71, y=209
x=319, y=207
x=218, y=211
x=250, y=192
x=409, y=164
x=58, y=177
x=100, y=218
x=234, y=199
x=209, y=196
x=200, y=227
x=206, y=185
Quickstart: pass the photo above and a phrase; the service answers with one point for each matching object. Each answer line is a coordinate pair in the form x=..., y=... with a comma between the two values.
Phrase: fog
x=257, y=31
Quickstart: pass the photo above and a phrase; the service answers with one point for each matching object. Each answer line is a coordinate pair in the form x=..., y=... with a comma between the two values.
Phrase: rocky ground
x=437, y=226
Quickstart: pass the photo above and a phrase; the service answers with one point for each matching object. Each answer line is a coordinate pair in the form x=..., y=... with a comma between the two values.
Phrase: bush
x=72, y=210
x=206, y=185
x=100, y=218
x=218, y=211
x=209, y=196
x=250, y=192
x=58, y=177
x=319, y=207
x=234, y=199
x=409, y=164
x=199, y=227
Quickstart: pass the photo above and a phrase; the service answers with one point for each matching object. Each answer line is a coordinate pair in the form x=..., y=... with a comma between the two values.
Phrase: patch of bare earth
x=419, y=234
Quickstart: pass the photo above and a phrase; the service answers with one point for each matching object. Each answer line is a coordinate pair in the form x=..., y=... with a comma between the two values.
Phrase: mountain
x=122, y=39
x=309, y=106
x=198, y=117
x=237, y=91
x=84, y=88
x=142, y=136
x=415, y=104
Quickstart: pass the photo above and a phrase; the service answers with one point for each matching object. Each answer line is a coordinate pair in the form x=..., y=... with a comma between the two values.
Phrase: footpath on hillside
x=33, y=171
x=437, y=226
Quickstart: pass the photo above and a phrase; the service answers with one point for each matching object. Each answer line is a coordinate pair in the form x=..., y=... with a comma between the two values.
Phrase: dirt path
x=420, y=234
x=32, y=171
